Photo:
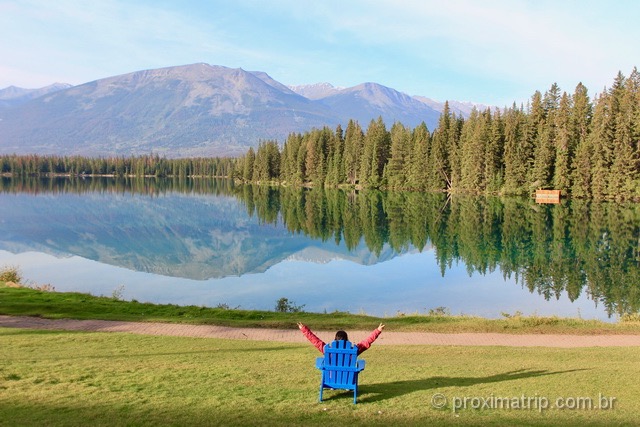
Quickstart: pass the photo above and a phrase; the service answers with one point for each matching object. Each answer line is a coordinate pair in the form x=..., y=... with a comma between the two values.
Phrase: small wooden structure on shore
x=548, y=196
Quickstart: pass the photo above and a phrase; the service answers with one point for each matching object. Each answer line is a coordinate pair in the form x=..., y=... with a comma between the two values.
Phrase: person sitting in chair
x=341, y=335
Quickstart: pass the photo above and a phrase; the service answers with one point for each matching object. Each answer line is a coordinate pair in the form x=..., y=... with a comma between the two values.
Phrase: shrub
x=630, y=317
x=44, y=288
x=283, y=305
x=117, y=293
x=10, y=273
x=225, y=306
x=439, y=311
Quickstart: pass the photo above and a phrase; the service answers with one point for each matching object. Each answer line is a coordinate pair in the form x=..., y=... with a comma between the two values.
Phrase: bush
x=10, y=274
x=283, y=305
x=43, y=288
x=439, y=311
x=117, y=293
x=630, y=317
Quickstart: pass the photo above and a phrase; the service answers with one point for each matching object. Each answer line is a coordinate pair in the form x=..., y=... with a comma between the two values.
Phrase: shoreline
x=294, y=336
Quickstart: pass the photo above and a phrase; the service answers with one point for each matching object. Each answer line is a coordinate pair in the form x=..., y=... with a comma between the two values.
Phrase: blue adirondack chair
x=340, y=367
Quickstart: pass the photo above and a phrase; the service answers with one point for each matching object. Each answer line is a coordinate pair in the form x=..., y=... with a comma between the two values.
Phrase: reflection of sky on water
x=409, y=283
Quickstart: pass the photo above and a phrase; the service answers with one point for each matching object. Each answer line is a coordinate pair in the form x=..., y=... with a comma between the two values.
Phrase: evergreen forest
x=133, y=166
x=586, y=149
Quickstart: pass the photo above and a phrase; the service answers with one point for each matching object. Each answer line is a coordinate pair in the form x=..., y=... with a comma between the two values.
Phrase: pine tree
x=333, y=158
x=494, y=154
x=317, y=150
x=367, y=158
x=516, y=152
x=338, y=158
x=397, y=167
x=440, y=169
x=248, y=165
x=581, y=165
x=417, y=168
x=261, y=163
x=534, y=125
x=601, y=143
x=376, y=153
x=634, y=84
x=544, y=147
x=633, y=87
x=291, y=172
x=564, y=145
x=453, y=146
x=274, y=160
x=623, y=182
x=267, y=162
x=472, y=146
x=353, y=151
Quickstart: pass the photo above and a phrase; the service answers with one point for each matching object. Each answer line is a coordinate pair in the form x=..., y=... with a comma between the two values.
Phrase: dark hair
x=341, y=335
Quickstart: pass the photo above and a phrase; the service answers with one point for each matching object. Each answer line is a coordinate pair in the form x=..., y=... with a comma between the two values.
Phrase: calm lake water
x=210, y=243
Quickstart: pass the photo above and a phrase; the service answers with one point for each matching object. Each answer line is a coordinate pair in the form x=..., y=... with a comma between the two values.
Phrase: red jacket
x=319, y=344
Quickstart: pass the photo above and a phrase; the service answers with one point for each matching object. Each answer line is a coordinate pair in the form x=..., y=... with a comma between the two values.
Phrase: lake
x=210, y=243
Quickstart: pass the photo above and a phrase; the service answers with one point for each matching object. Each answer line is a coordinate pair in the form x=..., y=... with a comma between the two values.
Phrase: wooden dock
x=548, y=196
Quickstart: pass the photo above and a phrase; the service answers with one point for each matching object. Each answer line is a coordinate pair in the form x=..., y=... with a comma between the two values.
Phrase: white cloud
x=90, y=40
x=417, y=46
x=534, y=41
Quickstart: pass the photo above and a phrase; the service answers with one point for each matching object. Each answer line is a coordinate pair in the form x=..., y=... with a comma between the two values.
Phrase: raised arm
x=365, y=344
x=317, y=342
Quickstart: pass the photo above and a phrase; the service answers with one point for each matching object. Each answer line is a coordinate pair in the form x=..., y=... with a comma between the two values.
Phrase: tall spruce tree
x=418, y=162
x=261, y=164
x=544, y=147
x=601, y=143
x=534, y=125
x=291, y=172
x=249, y=160
x=516, y=152
x=581, y=165
x=623, y=182
x=338, y=158
x=376, y=153
x=353, y=151
x=473, y=141
x=267, y=163
x=494, y=154
x=396, y=170
x=440, y=169
x=453, y=146
x=318, y=147
x=564, y=145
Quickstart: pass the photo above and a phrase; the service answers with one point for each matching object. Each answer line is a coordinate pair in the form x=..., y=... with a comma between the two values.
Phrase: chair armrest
x=319, y=362
x=360, y=365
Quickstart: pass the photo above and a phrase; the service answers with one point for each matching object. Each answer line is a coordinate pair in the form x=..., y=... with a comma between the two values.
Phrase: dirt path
x=293, y=335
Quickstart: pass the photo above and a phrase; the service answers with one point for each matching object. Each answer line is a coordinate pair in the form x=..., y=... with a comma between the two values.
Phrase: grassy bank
x=77, y=379
x=31, y=302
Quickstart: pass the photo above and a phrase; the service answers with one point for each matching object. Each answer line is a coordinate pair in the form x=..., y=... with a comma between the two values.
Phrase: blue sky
x=491, y=51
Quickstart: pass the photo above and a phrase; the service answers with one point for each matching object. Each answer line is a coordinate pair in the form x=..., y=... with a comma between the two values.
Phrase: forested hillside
x=589, y=149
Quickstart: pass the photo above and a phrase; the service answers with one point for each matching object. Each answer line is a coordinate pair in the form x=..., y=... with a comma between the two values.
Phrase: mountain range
x=13, y=96
x=192, y=110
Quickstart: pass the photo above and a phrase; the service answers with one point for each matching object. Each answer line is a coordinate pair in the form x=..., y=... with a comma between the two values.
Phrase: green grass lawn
x=111, y=379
